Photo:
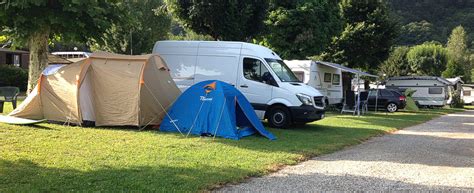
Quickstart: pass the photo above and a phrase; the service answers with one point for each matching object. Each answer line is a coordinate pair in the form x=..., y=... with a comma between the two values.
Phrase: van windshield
x=282, y=70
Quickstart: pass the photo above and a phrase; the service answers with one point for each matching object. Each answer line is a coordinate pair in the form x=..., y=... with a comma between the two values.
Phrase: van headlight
x=305, y=99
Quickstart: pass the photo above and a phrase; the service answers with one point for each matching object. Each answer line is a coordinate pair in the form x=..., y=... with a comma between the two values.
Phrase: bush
x=13, y=76
x=457, y=102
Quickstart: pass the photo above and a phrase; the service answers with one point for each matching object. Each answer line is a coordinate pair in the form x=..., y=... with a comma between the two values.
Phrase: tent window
x=435, y=90
x=336, y=79
x=327, y=77
x=254, y=69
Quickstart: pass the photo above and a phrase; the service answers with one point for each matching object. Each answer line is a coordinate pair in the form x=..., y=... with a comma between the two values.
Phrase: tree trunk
x=38, y=44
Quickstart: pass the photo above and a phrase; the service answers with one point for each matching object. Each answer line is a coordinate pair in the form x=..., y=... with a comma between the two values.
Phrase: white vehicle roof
x=305, y=64
x=455, y=80
x=72, y=52
x=247, y=48
x=439, y=79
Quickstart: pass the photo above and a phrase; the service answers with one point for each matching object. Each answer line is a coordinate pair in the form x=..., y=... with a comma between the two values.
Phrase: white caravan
x=258, y=72
x=430, y=90
x=325, y=78
x=468, y=93
x=73, y=56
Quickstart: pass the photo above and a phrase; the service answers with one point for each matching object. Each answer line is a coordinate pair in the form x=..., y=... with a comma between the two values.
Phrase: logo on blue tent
x=210, y=87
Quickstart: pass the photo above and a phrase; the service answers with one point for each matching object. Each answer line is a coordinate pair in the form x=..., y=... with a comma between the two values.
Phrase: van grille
x=319, y=101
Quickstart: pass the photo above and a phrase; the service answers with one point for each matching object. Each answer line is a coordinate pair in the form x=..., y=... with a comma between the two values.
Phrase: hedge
x=13, y=76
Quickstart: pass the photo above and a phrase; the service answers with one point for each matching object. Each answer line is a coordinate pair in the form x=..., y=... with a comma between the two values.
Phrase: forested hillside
x=426, y=20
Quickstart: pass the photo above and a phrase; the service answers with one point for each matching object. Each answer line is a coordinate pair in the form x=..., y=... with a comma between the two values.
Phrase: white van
x=320, y=75
x=260, y=74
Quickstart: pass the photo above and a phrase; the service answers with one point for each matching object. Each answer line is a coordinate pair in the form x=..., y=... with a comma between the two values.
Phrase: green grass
x=58, y=158
x=469, y=107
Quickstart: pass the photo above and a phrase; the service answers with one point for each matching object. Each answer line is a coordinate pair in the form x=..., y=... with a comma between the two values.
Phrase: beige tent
x=108, y=89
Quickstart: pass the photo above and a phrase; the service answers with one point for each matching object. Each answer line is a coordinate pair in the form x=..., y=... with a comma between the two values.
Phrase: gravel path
x=435, y=156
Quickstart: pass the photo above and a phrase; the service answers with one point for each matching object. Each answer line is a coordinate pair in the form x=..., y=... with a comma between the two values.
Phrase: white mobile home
x=430, y=90
x=468, y=93
x=317, y=75
x=324, y=76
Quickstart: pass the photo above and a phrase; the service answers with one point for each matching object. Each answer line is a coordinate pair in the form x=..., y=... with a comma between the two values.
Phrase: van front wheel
x=279, y=117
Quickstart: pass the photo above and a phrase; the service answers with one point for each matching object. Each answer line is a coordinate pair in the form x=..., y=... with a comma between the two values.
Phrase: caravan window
x=336, y=79
x=435, y=90
x=467, y=93
x=299, y=75
x=327, y=77
x=254, y=69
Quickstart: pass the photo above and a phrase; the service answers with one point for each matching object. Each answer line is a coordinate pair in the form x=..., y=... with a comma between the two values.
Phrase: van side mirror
x=267, y=78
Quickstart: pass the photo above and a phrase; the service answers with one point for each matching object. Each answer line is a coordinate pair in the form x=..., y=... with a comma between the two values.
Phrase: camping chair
x=364, y=100
x=349, y=104
x=9, y=94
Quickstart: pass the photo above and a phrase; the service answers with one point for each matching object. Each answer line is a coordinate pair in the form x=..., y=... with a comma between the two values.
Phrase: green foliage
x=427, y=59
x=443, y=16
x=58, y=158
x=459, y=64
x=190, y=35
x=410, y=102
x=13, y=76
x=36, y=21
x=144, y=23
x=237, y=20
x=415, y=33
x=367, y=37
x=409, y=92
x=298, y=29
x=457, y=101
x=70, y=19
x=397, y=63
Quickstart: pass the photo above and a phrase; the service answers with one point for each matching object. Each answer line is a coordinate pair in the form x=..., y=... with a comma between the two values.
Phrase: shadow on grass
x=26, y=176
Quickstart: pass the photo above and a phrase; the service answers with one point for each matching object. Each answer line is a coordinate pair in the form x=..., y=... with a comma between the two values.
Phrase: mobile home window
x=327, y=77
x=254, y=69
x=336, y=79
x=435, y=90
x=299, y=75
x=467, y=93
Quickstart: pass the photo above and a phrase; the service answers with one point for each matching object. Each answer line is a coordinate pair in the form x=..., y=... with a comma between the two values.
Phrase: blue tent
x=213, y=108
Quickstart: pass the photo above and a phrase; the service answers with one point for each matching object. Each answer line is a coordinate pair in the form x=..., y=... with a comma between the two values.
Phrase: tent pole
x=358, y=95
x=220, y=116
x=376, y=95
x=164, y=109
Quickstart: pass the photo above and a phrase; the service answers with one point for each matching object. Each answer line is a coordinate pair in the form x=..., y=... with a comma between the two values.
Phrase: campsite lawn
x=58, y=158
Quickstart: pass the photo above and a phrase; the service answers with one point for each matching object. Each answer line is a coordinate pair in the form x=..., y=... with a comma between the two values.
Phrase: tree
x=415, y=33
x=367, y=37
x=34, y=22
x=459, y=64
x=427, y=59
x=397, y=63
x=145, y=23
x=298, y=29
x=238, y=20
